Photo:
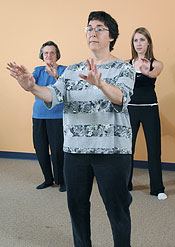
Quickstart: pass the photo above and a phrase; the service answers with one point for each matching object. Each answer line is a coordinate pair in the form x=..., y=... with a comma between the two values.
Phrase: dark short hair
x=109, y=22
x=49, y=43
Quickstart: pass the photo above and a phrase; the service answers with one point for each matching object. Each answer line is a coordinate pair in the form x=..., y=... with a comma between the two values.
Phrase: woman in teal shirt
x=48, y=124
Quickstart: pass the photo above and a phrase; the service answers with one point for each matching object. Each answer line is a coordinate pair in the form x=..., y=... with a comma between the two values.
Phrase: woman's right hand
x=22, y=75
x=145, y=67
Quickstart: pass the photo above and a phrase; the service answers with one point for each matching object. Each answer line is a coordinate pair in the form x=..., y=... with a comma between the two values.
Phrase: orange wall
x=25, y=25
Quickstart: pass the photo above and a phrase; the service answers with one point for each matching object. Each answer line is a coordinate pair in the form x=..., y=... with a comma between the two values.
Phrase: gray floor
x=32, y=218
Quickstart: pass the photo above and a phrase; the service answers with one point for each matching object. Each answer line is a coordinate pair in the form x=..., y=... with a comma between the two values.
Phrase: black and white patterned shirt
x=92, y=123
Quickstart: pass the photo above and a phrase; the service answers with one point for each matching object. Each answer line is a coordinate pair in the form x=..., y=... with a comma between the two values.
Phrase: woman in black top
x=143, y=107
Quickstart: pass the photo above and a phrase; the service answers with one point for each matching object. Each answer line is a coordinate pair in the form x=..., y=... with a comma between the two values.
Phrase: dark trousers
x=149, y=117
x=112, y=175
x=49, y=133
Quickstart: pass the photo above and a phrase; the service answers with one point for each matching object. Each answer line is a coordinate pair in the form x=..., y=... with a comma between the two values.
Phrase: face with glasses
x=49, y=54
x=97, y=35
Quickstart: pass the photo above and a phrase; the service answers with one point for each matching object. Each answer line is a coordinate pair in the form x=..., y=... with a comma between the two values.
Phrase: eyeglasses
x=89, y=29
x=52, y=53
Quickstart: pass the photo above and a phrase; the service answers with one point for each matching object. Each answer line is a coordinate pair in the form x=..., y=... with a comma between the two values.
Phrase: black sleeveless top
x=144, y=92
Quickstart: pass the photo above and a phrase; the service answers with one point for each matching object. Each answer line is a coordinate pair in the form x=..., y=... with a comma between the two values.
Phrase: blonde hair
x=149, y=53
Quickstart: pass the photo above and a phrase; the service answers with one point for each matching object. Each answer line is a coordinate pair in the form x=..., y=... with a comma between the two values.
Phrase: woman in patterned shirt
x=97, y=131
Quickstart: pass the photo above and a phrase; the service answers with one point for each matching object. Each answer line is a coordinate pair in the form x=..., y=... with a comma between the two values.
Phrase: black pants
x=49, y=133
x=149, y=117
x=112, y=175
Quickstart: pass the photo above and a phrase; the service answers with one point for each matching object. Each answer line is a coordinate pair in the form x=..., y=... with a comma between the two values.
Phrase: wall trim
x=144, y=164
x=17, y=155
x=32, y=156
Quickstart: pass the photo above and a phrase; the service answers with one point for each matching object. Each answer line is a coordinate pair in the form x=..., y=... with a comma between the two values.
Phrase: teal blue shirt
x=43, y=78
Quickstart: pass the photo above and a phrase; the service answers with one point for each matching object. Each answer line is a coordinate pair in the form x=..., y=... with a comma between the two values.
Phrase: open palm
x=22, y=75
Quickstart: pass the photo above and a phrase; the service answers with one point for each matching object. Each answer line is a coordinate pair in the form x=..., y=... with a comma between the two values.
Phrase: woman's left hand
x=51, y=68
x=145, y=67
x=93, y=77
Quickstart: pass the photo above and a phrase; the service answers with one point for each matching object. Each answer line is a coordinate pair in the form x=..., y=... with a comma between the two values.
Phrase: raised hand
x=22, y=75
x=145, y=67
x=52, y=70
x=93, y=77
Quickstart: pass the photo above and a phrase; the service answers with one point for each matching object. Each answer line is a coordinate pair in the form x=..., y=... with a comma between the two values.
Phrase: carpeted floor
x=32, y=218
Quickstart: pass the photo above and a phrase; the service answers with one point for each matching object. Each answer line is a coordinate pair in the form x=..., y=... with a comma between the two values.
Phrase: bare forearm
x=42, y=93
x=157, y=68
x=27, y=81
x=153, y=73
x=113, y=93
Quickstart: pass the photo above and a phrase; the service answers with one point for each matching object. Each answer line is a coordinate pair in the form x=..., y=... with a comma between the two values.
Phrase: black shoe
x=62, y=188
x=43, y=186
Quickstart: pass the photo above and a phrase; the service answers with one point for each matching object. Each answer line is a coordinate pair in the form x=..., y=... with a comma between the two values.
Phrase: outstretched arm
x=113, y=93
x=145, y=68
x=27, y=81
